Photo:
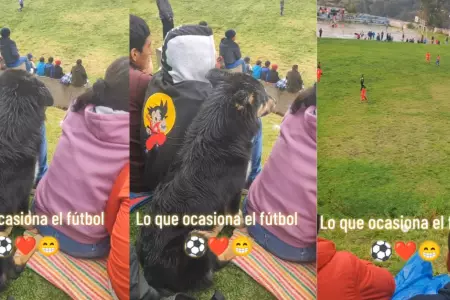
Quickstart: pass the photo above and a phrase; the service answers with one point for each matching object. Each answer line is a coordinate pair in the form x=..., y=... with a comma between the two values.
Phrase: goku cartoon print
x=159, y=118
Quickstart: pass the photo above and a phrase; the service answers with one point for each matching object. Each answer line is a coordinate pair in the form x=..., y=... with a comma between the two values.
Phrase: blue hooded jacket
x=256, y=72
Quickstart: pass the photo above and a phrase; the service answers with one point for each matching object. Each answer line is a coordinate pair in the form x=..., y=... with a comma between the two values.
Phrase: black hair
x=161, y=107
x=50, y=59
x=305, y=98
x=112, y=92
x=139, y=32
x=42, y=59
x=295, y=67
x=5, y=32
x=79, y=61
x=258, y=62
x=267, y=63
x=247, y=59
x=203, y=23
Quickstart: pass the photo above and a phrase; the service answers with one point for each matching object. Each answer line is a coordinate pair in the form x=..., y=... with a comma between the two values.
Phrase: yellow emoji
x=429, y=250
x=242, y=246
x=48, y=245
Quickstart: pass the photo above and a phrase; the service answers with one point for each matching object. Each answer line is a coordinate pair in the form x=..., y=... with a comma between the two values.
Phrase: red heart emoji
x=217, y=246
x=25, y=245
x=405, y=251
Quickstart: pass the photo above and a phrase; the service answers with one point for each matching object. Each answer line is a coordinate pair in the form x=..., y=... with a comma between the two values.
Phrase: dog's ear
x=242, y=98
x=216, y=76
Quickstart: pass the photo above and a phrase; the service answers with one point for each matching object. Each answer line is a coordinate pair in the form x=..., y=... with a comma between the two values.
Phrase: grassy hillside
x=96, y=32
x=390, y=157
x=261, y=32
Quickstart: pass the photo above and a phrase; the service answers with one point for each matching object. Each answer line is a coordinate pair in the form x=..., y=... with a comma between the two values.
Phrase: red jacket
x=117, y=221
x=343, y=276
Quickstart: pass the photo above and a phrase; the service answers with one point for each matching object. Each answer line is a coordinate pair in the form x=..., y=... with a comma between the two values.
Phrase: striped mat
x=285, y=280
x=81, y=279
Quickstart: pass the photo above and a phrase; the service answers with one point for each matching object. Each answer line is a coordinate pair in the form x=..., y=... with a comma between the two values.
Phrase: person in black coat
x=230, y=51
x=166, y=16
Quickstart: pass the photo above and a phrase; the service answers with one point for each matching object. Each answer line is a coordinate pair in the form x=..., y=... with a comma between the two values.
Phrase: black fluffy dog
x=207, y=176
x=23, y=99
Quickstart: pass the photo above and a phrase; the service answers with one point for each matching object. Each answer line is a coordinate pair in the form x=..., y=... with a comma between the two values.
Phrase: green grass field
x=93, y=31
x=261, y=32
x=389, y=157
x=284, y=40
x=96, y=32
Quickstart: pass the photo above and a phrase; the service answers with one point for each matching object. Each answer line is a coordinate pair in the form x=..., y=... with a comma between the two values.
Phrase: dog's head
x=247, y=94
x=23, y=92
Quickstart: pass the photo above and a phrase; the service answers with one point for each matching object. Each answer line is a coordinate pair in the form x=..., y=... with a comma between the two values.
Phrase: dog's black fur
x=206, y=177
x=23, y=99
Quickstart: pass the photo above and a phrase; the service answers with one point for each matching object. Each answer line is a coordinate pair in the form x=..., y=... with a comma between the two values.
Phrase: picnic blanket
x=285, y=280
x=79, y=278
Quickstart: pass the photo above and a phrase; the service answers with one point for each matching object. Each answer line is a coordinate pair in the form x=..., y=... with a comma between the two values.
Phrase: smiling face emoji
x=429, y=251
x=242, y=246
x=48, y=245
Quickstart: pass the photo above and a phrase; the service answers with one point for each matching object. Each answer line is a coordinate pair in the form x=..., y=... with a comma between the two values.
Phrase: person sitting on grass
x=92, y=150
x=79, y=75
x=248, y=66
x=230, y=51
x=141, y=71
x=341, y=275
x=273, y=77
x=49, y=68
x=257, y=70
x=9, y=51
x=58, y=73
x=265, y=71
x=294, y=80
x=287, y=186
x=40, y=68
x=32, y=65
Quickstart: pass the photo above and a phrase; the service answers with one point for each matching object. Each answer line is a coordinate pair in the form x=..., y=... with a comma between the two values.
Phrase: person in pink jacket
x=287, y=185
x=91, y=152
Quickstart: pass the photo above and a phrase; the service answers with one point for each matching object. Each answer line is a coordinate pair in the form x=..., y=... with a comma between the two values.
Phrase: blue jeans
x=235, y=64
x=277, y=247
x=256, y=155
x=42, y=161
x=72, y=247
x=21, y=60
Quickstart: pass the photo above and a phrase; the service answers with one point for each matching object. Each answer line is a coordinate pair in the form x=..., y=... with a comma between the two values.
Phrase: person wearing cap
x=230, y=51
x=273, y=77
x=10, y=53
x=58, y=72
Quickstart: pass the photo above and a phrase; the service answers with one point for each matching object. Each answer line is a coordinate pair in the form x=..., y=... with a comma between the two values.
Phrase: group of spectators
x=52, y=68
x=231, y=55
